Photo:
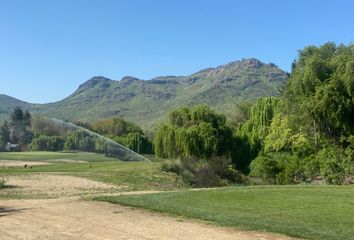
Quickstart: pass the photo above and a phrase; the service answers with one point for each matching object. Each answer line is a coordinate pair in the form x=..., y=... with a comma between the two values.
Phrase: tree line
x=42, y=134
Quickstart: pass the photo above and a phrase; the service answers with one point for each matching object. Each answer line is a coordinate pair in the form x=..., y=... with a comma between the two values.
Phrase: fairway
x=52, y=201
x=304, y=211
x=132, y=175
x=311, y=212
x=50, y=156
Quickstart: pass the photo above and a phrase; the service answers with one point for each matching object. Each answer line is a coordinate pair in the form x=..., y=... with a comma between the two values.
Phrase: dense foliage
x=305, y=134
x=47, y=143
x=43, y=134
x=202, y=141
x=125, y=133
x=4, y=135
x=20, y=122
x=17, y=130
x=311, y=133
x=249, y=136
x=194, y=132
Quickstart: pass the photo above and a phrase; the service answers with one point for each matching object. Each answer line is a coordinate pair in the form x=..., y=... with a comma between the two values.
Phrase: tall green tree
x=311, y=132
x=4, y=135
x=194, y=132
x=322, y=85
x=249, y=137
x=20, y=122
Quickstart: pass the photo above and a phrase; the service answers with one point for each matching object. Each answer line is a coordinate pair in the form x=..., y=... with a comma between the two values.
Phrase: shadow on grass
x=7, y=186
x=5, y=211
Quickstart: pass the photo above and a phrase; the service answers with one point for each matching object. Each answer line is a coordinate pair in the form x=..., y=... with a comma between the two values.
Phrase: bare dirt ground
x=70, y=217
x=16, y=163
x=62, y=160
x=19, y=163
x=48, y=185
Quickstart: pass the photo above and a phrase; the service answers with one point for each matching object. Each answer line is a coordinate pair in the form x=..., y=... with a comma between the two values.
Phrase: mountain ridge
x=147, y=101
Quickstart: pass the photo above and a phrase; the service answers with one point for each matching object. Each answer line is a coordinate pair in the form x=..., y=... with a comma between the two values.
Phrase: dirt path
x=72, y=218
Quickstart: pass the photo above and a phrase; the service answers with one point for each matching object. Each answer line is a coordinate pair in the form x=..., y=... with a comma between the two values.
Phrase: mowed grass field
x=50, y=156
x=310, y=212
x=132, y=175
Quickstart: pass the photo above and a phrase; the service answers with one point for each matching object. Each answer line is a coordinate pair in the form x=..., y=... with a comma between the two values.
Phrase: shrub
x=213, y=172
x=312, y=167
x=278, y=168
x=348, y=162
x=2, y=183
x=266, y=167
x=333, y=172
x=207, y=177
x=172, y=166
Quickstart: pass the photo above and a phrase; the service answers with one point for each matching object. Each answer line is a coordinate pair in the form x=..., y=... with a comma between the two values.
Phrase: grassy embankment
x=312, y=212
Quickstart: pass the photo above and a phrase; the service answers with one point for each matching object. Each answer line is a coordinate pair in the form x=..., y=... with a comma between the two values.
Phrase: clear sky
x=48, y=48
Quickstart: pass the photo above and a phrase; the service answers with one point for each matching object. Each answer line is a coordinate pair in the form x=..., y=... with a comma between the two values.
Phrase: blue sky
x=48, y=48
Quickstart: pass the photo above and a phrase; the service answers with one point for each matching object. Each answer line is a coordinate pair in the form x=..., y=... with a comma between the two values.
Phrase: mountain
x=147, y=101
x=7, y=104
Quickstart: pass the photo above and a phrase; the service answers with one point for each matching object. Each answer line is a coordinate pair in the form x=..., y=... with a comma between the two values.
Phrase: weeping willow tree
x=138, y=143
x=249, y=137
x=193, y=132
x=260, y=117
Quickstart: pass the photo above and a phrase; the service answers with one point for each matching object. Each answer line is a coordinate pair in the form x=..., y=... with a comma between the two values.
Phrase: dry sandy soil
x=46, y=185
x=15, y=163
x=19, y=163
x=66, y=216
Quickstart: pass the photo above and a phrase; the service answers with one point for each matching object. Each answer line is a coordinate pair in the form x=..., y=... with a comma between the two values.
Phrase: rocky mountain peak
x=93, y=82
x=128, y=80
x=244, y=63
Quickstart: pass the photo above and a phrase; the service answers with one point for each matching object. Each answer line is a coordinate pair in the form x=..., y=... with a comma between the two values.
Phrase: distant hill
x=147, y=101
x=7, y=104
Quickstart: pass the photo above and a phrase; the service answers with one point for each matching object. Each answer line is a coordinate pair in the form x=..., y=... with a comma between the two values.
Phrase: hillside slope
x=146, y=101
x=7, y=104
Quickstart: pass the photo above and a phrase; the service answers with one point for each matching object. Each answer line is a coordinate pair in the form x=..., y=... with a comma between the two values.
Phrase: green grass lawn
x=47, y=156
x=312, y=212
x=133, y=175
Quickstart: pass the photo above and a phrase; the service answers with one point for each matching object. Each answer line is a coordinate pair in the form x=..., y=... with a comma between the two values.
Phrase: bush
x=206, y=177
x=348, y=162
x=2, y=183
x=234, y=175
x=266, y=167
x=312, y=167
x=278, y=168
x=333, y=172
x=174, y=166
x=213, y=172
x=331, y=160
